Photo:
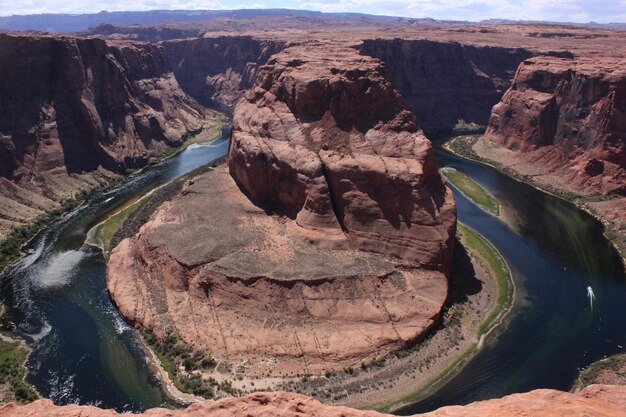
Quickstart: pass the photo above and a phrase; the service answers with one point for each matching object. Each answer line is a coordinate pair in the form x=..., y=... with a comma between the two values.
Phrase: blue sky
x=555, y=10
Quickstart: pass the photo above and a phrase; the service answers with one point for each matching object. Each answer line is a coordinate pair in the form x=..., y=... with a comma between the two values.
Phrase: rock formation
x=219, y=68
x=73, y=110
x=328, y=141
x=566, y=121
x=447, y=85
x=594, y=401
x=337, y=252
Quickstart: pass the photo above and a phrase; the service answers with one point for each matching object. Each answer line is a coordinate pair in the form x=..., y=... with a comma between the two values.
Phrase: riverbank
x=13, y=355
x=471, y=190
x=13, y=351
x=101, y=235
x=12, y=248
x=481, y=295
x=611, y=370
x=608, y=210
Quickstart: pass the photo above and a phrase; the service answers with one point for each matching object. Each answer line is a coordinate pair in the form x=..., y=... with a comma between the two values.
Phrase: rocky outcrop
x=328, y=141
x=447, y=85
x=219, y=69
x=594, y=401
x=142, y=33
x=566, y=122
x=73, y=110
x=336, y=251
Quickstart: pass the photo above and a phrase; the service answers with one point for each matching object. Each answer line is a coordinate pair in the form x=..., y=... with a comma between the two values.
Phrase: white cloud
x=575, y=10
x=9, y=7
x=555, y=10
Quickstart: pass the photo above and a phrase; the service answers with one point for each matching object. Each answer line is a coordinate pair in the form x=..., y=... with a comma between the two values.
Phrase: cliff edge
x=323, y=245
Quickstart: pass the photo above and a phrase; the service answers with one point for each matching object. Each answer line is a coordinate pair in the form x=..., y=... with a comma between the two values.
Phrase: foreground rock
x=74, y=111
x=594, y=401
x=337, y=252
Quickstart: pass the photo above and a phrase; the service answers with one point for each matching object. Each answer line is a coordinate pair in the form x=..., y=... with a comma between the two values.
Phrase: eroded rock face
x=337, y=249
x=447, y=85
x=594, y=401
x=568, y=117
x=71, y=109
x=325, y=139
x=219, y=68
x=227, y=279
x=75, y=104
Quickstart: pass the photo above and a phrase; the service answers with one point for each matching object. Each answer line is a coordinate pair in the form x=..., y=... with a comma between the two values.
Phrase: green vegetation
x=207, y=135
x=615, y=364
x=11, y=247
x=497, y=267
x=106, y=230
x=12, y=385
x=477, y=245
x=472, y=190
x=185, y=367
x=463, y=146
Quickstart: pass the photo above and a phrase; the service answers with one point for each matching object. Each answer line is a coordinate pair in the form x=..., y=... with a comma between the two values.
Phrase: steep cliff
x=74, y=110
x=447, y=85
x=566, y=120
x=594, y=401
x=328, y=141
x=219, y=68
x=341, y=259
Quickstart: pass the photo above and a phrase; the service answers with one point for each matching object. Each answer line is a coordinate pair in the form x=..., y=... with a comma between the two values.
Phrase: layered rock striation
x=565, y=120
x=594, y=401
x=325, y=242
x=447, y=85
x=219, y=69
x=74, y=110
x=327, y=141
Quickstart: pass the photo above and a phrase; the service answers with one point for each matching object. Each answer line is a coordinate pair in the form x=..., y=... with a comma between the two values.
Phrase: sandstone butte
x=326, y=247
x=562, y=124
x=567, y=118
x=593, y=401
x=74, y=111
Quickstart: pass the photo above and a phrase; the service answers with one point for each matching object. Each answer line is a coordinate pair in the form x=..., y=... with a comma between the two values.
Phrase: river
x=555, y=252
x=83, y=352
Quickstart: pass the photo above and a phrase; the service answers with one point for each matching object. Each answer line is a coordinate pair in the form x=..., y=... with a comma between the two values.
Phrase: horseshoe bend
x=335, y=228
x=274, y=212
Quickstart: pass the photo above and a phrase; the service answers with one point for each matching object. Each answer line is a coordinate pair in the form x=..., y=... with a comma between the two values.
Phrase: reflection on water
x=556, y=252
x=83, y=351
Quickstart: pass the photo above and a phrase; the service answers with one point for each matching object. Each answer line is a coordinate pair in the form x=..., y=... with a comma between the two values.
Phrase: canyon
x=75, y=112
x=154, y=82
x=562, y=126
x=335, y=228
x=569, y=118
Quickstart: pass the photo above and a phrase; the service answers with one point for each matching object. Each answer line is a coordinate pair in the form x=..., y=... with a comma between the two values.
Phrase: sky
x=602, y=11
